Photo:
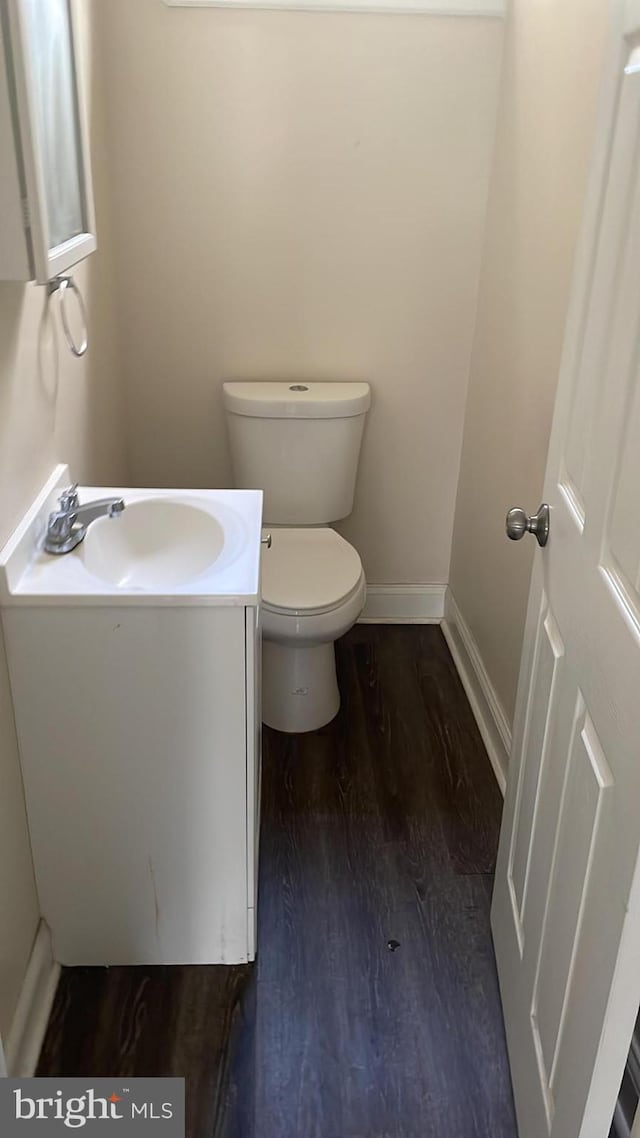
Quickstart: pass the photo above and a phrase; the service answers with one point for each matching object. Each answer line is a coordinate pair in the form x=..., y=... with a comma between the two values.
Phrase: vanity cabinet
x=46, y=200
x=139, y=735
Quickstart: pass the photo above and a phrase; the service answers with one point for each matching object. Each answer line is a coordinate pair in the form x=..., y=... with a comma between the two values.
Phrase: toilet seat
x=309, y=571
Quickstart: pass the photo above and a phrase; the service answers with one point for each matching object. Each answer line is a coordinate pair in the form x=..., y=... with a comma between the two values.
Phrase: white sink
x=153, y=544
x=134, y=669
x=168, y=547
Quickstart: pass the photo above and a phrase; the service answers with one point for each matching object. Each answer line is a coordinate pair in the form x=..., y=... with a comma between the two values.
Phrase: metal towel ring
x=61, y=284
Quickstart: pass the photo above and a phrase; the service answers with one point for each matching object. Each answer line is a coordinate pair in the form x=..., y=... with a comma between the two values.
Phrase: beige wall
x=52, y=408
x=553, y=60
x=303, y=195
x=296, y=194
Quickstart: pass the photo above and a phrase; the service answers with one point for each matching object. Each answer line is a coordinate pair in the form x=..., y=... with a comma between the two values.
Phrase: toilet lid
x=308, y=569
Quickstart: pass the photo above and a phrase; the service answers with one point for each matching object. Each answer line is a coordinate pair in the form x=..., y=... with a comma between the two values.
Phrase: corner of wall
x=483, y=248
x=485, y=703
x=28, y=1027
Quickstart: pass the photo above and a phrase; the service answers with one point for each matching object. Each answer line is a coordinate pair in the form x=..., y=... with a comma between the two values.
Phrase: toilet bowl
x=313, y=591
x=300, y=443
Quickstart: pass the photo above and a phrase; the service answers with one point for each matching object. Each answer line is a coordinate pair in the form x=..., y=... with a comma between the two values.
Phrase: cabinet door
x=50, y=141
x=133, y=752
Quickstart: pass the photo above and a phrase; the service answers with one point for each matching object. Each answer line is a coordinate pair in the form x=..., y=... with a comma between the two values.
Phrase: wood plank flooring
x=373, y=1009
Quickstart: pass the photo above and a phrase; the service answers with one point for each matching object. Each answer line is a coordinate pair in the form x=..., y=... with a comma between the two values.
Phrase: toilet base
x=299, y=686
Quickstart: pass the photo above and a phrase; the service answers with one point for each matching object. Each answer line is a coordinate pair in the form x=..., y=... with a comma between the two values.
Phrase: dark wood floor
x=373, y=1008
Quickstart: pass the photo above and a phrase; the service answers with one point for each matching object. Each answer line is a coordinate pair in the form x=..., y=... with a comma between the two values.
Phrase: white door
x=566, y=912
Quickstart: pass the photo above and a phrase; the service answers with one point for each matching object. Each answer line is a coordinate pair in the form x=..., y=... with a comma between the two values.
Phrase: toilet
x=300, y=444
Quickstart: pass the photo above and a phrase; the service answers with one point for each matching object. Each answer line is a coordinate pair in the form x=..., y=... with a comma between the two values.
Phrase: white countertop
x=29, y=576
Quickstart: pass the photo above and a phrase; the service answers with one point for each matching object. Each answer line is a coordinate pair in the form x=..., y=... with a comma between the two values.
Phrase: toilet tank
x=300, y=444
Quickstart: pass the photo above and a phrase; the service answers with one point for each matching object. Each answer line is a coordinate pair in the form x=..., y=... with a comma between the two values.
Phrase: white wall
x=52, y=408
x=553, y=60
x=303, y=195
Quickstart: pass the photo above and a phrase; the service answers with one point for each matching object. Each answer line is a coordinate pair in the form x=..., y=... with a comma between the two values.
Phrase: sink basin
x=155, y=544
x=174, y=547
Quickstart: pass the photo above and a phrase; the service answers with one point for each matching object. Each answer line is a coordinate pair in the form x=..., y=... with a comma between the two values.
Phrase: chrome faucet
x=69, y=523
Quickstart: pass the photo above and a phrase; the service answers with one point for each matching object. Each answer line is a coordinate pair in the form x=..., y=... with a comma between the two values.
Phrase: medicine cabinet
x=46, y=201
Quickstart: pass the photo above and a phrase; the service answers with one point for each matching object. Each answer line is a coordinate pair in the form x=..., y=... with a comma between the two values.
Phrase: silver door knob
x=519, y=523
x=266, y=540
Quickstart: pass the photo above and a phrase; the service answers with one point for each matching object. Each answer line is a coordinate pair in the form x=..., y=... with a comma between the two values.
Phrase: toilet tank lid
x=297, y=399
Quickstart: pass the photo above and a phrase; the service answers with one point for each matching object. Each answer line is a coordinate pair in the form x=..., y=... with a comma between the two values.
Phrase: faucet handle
x=69, y=498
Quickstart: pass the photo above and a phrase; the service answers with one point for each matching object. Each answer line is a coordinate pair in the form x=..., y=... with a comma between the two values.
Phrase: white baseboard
x=404, y=604
x=27, y=1031
x=487, y=709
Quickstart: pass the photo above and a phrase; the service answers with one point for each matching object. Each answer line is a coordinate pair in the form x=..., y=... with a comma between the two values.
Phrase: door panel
x=548, y=656
x=588, y=778
x=566, y=912
x=582, y=422
x=621, y=547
